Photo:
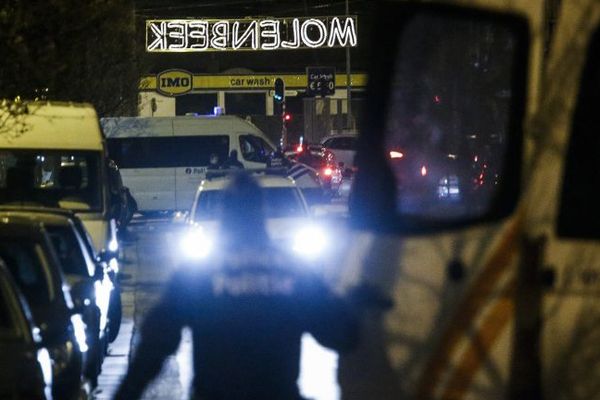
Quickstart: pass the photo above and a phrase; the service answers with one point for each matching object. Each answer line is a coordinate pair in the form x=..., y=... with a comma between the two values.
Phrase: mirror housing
x=433, y=119
x=181, y=217
x=100, y=270
x=106, y=255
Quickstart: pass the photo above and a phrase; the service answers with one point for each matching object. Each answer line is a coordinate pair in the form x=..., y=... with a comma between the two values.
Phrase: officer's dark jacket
x=247, y=314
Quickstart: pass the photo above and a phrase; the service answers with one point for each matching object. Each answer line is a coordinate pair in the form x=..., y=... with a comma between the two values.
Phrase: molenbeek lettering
x=250, y=34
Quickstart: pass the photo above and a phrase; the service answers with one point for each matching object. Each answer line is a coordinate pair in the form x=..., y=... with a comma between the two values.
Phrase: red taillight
x=327, y=171
x=396, y=154
x=299, y=148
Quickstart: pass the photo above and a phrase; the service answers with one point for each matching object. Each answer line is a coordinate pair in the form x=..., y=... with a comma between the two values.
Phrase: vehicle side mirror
x=99, y=271
x=78, y=308
x=106, y=256
x=115, y=207
x=453, y=48
x=181, y=217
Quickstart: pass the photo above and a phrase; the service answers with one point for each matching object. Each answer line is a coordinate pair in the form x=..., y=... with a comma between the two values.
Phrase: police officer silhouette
x=247, y=305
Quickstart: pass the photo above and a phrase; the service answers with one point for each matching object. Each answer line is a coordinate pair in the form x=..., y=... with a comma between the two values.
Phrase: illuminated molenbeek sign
x=197, y=35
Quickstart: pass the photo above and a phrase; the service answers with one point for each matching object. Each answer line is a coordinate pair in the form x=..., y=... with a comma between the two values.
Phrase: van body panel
x=430, y=337
x=570, y=309
x=99, y=229
x=169, y=183
x=137, y=127
x=187, y=181
x=153, y=188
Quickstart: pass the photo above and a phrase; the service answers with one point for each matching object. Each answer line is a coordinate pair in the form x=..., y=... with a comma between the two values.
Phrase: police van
x=54, y=154
x=496, y=289
x=163, y=159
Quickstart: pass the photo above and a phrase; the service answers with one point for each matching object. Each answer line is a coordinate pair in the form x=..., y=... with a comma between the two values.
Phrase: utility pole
x=348, y=81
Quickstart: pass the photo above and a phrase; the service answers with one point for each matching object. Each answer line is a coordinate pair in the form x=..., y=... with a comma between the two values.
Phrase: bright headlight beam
x=196, y=244
x=310, y=241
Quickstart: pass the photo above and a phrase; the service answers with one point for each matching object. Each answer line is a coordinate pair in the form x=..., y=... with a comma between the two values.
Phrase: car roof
x=264, y=181
x=39, y=215
x=339, y=135
x=56, y=126
x=19, y=225
x=39, y=209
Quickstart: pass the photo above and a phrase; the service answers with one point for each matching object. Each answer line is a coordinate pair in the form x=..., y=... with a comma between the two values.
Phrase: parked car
x=343, y=145
x=315, y=171
x=25, y=365
x=90, y=283
x=104, y=261
x=26, y=248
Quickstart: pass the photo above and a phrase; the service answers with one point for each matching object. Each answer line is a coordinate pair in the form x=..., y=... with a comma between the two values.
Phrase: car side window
x=22, y=261
x=265, y=146
x=579, y=214
x=69, y=250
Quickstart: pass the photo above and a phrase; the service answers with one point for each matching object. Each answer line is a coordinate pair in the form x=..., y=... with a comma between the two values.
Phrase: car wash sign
x=199, y=35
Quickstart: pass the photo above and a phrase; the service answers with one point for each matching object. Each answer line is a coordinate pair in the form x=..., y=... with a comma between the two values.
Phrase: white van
x=163, y=160
x=495, y=290
x=53, y=155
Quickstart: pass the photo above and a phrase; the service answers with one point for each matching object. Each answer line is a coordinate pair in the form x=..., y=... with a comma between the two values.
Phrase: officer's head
x=242, y=215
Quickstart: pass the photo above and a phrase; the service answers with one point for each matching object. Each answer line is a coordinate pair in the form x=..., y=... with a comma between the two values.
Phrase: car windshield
x=280, y=202
x=67, y=179
x=23, y=261
x=68, y=249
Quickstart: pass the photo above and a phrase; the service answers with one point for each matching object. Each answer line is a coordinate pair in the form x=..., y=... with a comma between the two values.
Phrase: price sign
x=321, y=81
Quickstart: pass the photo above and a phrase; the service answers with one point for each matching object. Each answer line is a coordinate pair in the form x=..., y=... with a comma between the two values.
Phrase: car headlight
x=196, y=244
x=310, y=241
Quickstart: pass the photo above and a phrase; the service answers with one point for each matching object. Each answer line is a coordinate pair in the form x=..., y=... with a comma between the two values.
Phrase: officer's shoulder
x=268, y=257
x=189, y=275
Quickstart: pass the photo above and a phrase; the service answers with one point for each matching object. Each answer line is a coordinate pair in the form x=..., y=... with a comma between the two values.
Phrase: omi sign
x=198, y=35
x=174, y=82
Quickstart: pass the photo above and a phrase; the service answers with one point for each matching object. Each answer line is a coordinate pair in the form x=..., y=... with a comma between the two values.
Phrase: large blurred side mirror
x=446, y=83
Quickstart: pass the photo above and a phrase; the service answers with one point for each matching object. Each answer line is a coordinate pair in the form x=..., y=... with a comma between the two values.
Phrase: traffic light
x=279, y=95
x=287, y=117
